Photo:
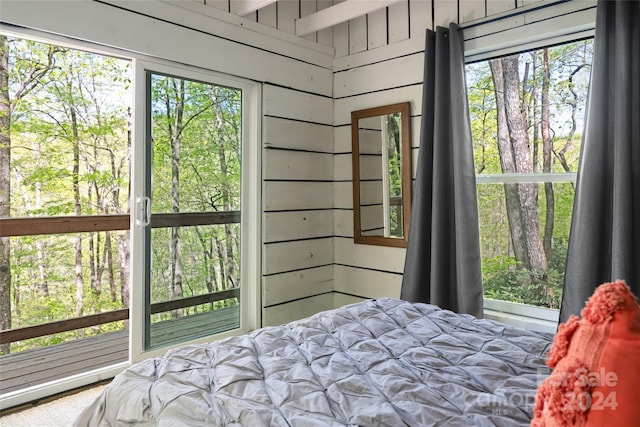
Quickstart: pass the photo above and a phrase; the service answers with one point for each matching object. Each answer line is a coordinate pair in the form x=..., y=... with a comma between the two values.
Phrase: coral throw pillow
x=596, y=365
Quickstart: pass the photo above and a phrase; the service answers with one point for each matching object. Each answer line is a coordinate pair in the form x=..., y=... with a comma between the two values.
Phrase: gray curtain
x=442, y=264
x=604, y=243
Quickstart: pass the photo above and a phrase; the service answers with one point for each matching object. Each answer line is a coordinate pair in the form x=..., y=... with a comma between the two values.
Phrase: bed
x=382, y=362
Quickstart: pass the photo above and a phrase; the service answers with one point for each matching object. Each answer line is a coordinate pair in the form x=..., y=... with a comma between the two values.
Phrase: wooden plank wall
x=298, y=204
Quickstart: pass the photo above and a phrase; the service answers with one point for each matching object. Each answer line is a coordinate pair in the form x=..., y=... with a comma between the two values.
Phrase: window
x=64, y=190
x=129, y=208
x=527, y=115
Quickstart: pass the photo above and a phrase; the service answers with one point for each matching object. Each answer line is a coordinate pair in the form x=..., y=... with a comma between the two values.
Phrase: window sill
x=522, y=315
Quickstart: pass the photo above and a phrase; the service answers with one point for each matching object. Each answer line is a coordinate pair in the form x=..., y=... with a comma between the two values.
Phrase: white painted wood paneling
x=396, y=72
x=358, y=34
x=382, y=258
x=293, y=285
x=343, y=195
x=297, y=255
x=367, y=283
x=284, y=313
x=297, y=165
x=278, y=195
x=420, y=18
x=342, y=138
x=325, y=37
x=499, y=6
x=342, y=167
x=283, y=133
x=292, y=104
x=396, y=50
x=269, y=15
x=341, y=39
x=344, y=106
x=343, y=223
x=527, y=2
x=444, y=12
x=470, y=10
x=377, y=29
x=281, y=226
x=340, y=300
x=398, y=22
x=245, y=7
x=288, y=12
x=218, y=4
x=307, y=7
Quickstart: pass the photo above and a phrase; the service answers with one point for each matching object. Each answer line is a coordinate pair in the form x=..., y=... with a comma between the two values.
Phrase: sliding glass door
x=189, y=207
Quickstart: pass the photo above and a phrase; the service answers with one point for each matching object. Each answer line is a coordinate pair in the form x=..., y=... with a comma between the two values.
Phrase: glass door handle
x=143, y=211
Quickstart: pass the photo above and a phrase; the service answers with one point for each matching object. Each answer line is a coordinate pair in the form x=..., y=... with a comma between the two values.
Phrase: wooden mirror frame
x=404, y=109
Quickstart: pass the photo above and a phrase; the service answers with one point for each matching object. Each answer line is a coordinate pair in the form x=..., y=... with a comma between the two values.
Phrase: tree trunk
x=226, y=199
x=75, y=176
x=123, y=240
x=206, y=243
x=573, y=102
x=108, y=252
x=5, y=190
x=507, y=165
x=176, y=142
x=535, y=114
x=44, y=285
x=515, y=157
x=547, y=149
x=221, y=257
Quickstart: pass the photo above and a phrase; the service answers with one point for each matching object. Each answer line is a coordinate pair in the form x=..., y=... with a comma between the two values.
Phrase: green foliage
x=539, y=288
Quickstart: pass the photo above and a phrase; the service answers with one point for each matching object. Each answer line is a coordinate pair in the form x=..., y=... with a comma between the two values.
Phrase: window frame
x=533, y=26
x=250, y=201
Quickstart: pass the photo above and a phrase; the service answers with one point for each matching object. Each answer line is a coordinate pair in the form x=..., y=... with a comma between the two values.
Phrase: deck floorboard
x=38, y=366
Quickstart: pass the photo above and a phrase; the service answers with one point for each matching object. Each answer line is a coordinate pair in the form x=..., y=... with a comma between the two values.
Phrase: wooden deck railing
x=32, y=226
x=92, y=223
x=43, y=329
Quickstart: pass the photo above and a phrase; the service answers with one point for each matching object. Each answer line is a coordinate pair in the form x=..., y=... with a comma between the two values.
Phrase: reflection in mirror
x=382, y=180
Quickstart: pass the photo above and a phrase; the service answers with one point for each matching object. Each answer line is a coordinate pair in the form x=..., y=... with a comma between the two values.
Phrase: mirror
x=381, y=151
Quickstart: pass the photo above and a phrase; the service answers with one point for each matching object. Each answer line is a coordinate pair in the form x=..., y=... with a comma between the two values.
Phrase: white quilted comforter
x=381, y=362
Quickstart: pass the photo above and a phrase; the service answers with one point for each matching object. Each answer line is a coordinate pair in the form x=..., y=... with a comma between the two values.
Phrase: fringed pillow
x=596, y=365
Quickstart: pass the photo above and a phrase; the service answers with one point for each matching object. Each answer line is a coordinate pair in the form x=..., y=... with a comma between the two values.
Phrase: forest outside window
x=65, y=117
x=527, y=115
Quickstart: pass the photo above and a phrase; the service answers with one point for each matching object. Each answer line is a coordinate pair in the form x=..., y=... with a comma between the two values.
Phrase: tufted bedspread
x=380, y=362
